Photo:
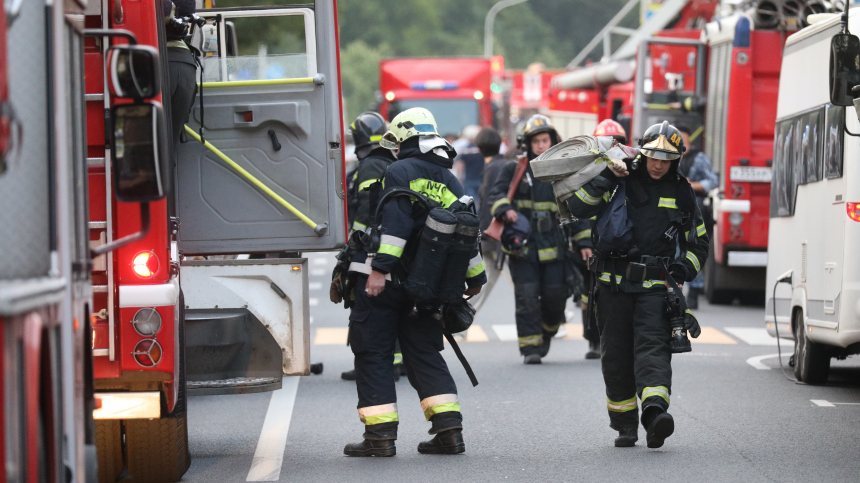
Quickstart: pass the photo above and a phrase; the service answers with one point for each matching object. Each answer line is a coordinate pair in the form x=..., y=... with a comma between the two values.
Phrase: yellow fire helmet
x=409, y=123
x=662, y=141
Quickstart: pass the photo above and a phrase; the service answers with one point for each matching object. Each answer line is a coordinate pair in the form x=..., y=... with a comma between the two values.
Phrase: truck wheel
x=714, y=295
x=109, y=449
x=812, y=361
x=157, y=449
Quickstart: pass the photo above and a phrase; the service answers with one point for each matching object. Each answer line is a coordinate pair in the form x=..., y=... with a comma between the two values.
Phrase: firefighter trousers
x=589, y=330
x=375, y=323
x=540, y=295
x=635, y=354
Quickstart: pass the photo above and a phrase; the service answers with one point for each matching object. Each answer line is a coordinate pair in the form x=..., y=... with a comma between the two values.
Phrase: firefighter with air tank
x=541, y=269
x=397, y=268
x=646, y=213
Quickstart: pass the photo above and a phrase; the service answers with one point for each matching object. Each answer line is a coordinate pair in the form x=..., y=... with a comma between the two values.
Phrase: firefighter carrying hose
x=644, y=212
x=542, y=269
x=383, y=309
x=373, y=160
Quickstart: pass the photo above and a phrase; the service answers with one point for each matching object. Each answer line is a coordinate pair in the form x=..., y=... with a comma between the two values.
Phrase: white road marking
x=318, y=272
x=752, y=335
x=313, y=302
x=505, y=332
x=269, y=455
x=321, y=261
x=315, y=285
x=822, y=403
x=756, y=361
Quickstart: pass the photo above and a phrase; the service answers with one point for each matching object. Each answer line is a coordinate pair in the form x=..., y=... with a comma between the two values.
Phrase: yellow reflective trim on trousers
x=657, y=391
x=582, y=235
x=498, y=203
x=475, y=271
x=700, y=230
x=606, y=199
x=433, y=190
x=550, y=328
x=392, y=250
x=365, y=184
x=586, y=198
x=441, y=408
x=604, y=277
x=667, y=203
x=530, y=340
x=382, y=418
x=695, y=261
x=547, y=254
x=621, y=406
x=651, y=283
x=358, y=226
x=398, y=358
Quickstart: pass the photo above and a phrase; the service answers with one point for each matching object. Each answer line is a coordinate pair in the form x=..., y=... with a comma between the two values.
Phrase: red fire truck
x=45, y=290
x=456, y=90
x=722, y=78
x=191, y=304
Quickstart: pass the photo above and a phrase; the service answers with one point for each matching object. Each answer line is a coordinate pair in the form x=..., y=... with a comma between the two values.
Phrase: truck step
x=234, y=385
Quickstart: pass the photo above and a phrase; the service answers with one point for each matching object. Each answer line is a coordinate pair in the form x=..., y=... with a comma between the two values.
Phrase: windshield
x=452, y=115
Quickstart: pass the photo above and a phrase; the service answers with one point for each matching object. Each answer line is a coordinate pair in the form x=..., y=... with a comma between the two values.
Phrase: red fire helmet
x=608, y=127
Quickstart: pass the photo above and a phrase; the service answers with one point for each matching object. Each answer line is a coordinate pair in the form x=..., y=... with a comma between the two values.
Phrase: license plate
x=749, y=173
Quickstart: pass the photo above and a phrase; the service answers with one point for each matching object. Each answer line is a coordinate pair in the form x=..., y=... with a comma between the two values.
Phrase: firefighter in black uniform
x=373, y=160
x=542, y=270
x=182, y=65
x=382, y=310
x=636, y=353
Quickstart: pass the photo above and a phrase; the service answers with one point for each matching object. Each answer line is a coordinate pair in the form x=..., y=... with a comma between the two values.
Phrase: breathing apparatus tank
x=422, y=284
x=453, y=279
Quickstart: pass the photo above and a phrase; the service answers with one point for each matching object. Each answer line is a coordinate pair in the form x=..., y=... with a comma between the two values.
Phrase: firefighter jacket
x=402, y=219
x=580, y=233
x=666, y=221
x=370, y=170
x=535, y=200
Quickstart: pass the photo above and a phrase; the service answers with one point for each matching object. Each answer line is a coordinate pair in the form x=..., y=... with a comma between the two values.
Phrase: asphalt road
x=736, y=417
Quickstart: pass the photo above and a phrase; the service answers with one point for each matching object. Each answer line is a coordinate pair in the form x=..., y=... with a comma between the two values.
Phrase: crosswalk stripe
x=331, y=336
x=505, y=332
x=752, y=335
x=315, y=285
x=313, y=302
x=476, y=334
x=269, y=456
x=711, y=335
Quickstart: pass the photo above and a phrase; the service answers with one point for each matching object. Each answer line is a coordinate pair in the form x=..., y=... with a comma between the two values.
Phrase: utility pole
x=490, y=20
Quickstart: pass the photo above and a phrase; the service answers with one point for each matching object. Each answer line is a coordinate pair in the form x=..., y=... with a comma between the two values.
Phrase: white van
x=815, y=208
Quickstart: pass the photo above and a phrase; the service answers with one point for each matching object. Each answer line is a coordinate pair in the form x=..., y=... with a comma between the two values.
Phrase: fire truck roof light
x=434, y=85
x=853, y=211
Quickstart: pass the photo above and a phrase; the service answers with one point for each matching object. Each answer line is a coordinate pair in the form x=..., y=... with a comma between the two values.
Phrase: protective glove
x=692, y=324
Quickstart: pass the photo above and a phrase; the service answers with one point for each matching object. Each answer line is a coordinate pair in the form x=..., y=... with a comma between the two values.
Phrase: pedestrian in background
x=469, y=161
x=697, y=168
x=489, y=143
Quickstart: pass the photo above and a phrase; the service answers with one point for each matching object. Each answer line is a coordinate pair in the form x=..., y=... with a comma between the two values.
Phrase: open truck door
x=269, y=179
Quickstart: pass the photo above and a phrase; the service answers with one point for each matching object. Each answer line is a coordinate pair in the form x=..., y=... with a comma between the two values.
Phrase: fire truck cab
x=214, y=298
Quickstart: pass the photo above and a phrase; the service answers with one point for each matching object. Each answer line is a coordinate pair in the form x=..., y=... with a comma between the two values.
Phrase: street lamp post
x=490, y=20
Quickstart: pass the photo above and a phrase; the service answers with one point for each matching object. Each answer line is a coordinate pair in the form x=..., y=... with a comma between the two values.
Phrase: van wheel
x=157, y=449
x=811, y=360
x=109, y=449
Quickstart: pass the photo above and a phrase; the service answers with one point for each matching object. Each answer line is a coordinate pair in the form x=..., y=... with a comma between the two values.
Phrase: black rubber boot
x=531, y=359
x=693, y=298
x=371, y=447
x=348, y=375
x=661, y=427
x=446, y=442
x=544, y=347
x=627, y=438
x=593, y=351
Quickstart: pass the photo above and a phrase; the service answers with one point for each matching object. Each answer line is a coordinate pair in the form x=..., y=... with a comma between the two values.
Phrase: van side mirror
x=844, y=68
x=134, y=71
x=139, y=151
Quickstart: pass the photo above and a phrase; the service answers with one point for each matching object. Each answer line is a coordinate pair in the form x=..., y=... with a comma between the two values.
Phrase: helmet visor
x=660, y=154
x=389, y=141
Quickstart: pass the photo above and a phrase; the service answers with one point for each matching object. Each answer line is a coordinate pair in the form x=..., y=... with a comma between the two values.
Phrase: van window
x=810, y=147
x=782, y=185
x=833, y=134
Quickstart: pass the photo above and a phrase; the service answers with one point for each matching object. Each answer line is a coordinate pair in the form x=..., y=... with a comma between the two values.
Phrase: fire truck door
x=271, y=105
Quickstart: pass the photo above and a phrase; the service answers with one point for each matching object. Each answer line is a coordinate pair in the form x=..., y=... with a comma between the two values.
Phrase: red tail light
x=853, y=211
x=145, y=264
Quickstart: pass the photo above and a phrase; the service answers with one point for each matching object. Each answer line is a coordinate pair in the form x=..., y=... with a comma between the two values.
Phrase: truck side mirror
x=139, y=150
x=134, y=71
x=844, y=68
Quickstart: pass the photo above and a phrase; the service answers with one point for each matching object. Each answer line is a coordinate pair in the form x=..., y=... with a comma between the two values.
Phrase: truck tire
x=715, y=295
x=157, y=449
x=109, y=449
x=812, y=360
